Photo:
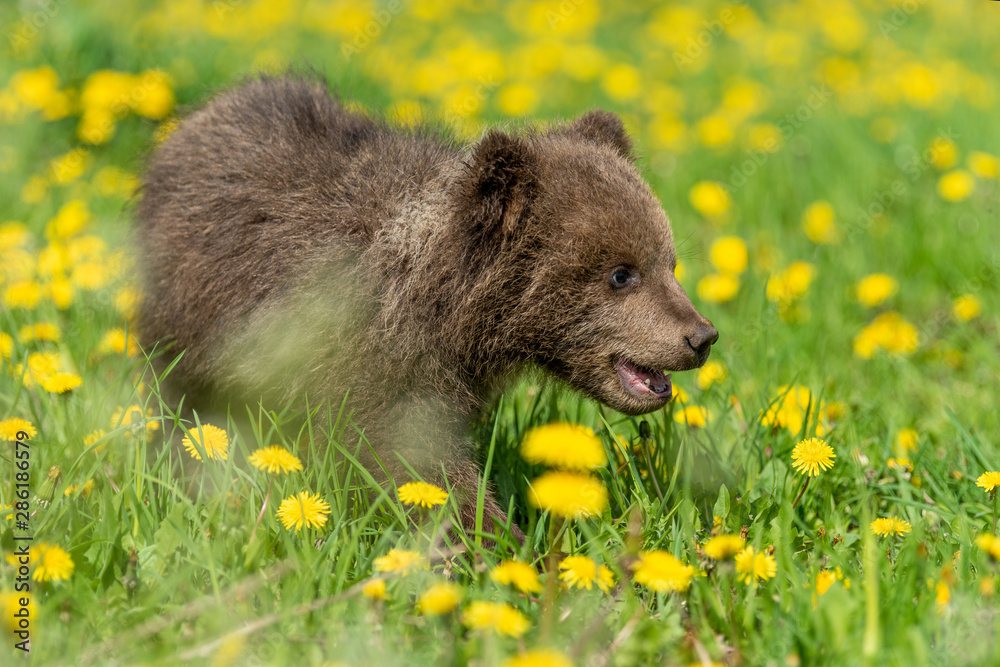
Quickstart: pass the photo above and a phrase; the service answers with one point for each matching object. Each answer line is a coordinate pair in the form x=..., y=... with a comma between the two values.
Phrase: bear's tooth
x=646, y=382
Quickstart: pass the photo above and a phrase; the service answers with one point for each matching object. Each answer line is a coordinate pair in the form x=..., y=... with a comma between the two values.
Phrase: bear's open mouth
x=643, y=382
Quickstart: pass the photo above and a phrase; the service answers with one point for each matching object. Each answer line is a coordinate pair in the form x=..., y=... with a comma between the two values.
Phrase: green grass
x=165, y=570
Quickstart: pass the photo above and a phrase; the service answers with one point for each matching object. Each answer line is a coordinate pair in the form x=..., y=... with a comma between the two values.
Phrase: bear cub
x=294, y=249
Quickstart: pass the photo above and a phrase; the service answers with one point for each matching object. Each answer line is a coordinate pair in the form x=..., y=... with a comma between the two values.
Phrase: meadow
x=822, y=492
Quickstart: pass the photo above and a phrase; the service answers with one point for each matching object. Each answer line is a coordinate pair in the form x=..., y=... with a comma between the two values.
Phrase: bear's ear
x=501, y=180
x=604, y=129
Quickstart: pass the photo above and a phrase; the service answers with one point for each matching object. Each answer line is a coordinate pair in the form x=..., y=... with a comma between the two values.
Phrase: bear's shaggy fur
x=294, y=248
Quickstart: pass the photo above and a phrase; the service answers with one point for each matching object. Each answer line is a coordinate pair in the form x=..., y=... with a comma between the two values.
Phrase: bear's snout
x=701, y=339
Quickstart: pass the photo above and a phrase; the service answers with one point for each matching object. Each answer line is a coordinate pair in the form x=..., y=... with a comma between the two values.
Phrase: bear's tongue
x=642, y=381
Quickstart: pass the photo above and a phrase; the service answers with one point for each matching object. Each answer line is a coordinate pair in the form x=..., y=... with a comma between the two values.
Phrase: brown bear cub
x=294, y=249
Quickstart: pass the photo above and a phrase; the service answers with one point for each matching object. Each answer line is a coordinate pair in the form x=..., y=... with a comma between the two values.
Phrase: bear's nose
x=702, y=339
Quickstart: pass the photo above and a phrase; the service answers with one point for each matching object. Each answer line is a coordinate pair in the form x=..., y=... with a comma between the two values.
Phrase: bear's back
x=253, y=190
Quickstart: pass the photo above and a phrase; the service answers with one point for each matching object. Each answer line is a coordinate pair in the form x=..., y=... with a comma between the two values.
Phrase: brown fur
x=293, y=247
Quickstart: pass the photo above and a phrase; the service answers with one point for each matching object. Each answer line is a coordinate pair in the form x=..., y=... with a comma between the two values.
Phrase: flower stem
x=994, y=494
x=551, y=567
x=263, y=507
x=802, y=492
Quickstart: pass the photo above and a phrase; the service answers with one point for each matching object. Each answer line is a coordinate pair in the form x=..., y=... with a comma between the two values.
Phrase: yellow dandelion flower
x=10, y=604
x=51, y=563
x=374, y=589
x=35, y=189
x=786, y=287
x=818, y=222
x=564, y=445
x=68, y=167
x=400, y=561
x=440, y=598
x=23, y=294
x=711, y=373
x=61, y=291
x=90, y=275
x=40, y=331
x=568, y=494
x=94, y=436
x=811, y=456
x=496, y=616
x=729, y=254
x=693, y=415
x=10, y=427
x=60, y=383
x=212, y=439
x=989, y=481
x=827, y=578
x=6, y=346
x=127, y=300
x=984, y=165
x=718, y=287
x=521, y=576
x=14, y=235
x=84, y=489
x=722, y=547
x=990, y=544
x=680, y=271
x=710, y=199
x=966, y=307
x=539, y=657
x=715, y=130
x=753, y=566
x=303, y=509
x=875, y=288
x=583, y=572
x=96, y=126
x=422, y=494
x=943, y=153
x=40, y=366
x=622, y=82
x=900, y=463
x=73, y=218
x=275, y=460
x=116, y=342
x=889, y=332
x=229, y=652
x=517, y=99
x=942, y=593
x=765, y=137
x=663, y=572
x=956, y=185
x=906, y=440
x=135, y=420
x=888, y=525
x=154, y=96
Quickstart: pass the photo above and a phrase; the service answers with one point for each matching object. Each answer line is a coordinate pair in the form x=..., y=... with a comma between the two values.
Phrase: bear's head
x=580, y=258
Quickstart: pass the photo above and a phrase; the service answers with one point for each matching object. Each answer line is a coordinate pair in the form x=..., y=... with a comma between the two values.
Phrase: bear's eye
x=621, y=277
